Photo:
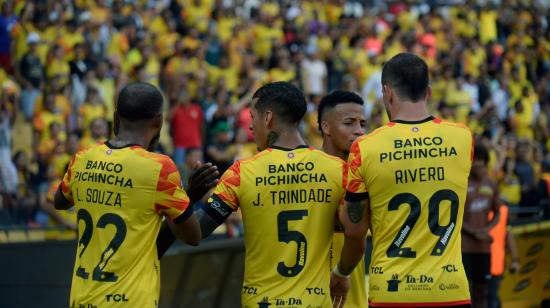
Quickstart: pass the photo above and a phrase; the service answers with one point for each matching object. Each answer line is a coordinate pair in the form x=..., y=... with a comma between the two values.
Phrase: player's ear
x=428, y=93
x=268, y=118
x=116, y=123
x=325, y=128
x=388, y=92
x=157, y=121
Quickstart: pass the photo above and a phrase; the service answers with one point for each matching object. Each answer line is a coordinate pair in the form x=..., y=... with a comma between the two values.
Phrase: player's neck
x=329, y=148
x=288, y=139
x=409, y=111
x=125, y=138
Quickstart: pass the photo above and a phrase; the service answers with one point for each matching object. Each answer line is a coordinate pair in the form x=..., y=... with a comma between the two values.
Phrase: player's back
x=288, y=200
x=118, y=194
x=416, y=174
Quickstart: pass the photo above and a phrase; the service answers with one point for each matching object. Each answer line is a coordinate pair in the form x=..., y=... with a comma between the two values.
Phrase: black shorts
x=477, y=266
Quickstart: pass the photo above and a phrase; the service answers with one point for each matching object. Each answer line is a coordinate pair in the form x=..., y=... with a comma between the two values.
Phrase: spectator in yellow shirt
x=284, y=71
x=43, y=119
x=57, y=65
x=93, y=108
x=106, y=86
x=99, y=132
x=521, y=121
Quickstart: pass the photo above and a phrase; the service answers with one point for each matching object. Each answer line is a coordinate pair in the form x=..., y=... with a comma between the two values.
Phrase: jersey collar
x=303, y=146
x=430, y=118
x=108, y=144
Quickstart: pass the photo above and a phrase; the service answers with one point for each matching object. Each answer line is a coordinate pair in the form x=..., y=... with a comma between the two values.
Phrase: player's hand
x=514, y=266
x=484, y=236
x=72, y=226
x=339, y=287
x=204, y=178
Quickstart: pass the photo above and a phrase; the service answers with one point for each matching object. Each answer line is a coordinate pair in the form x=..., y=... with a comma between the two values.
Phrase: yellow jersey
x=415, y=175
x=119, y=210
x=288, y=200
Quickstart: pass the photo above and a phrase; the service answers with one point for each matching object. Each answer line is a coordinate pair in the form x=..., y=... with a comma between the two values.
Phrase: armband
x=217, y=209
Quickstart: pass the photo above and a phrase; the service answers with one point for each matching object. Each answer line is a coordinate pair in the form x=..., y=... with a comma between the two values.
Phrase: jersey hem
x=438, y=304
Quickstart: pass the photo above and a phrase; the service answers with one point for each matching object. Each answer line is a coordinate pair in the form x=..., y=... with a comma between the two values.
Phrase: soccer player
x=341, y=120
x=482, y=199
x=288, y=195
x=407, y=181
x=121, y=190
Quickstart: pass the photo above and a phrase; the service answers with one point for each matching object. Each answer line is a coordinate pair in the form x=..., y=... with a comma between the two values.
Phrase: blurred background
x=63, y=62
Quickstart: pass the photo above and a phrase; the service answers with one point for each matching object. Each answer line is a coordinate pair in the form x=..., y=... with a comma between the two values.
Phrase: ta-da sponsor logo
x=393, y=283
x=291, y=301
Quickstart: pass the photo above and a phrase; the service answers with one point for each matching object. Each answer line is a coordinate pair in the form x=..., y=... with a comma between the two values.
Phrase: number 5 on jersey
x=287, y=236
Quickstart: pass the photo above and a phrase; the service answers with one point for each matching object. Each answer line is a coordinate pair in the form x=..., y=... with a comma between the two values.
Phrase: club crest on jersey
x=109, y=151
x=290, y=155
x=415, y=129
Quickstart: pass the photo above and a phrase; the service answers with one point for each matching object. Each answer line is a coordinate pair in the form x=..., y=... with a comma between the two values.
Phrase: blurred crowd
x=63, y=62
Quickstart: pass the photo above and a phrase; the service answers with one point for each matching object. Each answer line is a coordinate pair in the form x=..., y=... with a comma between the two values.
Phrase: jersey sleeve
x=227, y=189
x=355, y=186
x=225, y=199
x=356, y=180
x=66, y=182
x=170, y=200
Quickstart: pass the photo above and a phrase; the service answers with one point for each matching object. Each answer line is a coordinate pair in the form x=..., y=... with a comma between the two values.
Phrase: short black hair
x=139, y=101
x=408, y=75
x=336, y=98
x=284, y=99
x=481, y=153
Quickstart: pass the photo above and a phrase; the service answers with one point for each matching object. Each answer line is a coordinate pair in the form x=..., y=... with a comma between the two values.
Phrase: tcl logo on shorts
x=116, y=298
x=449, y=268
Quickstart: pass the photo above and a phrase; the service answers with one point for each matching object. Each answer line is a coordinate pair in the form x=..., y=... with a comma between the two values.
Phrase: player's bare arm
x=60, y=202
x=204, y=178
x=355, y=219
x=207, y=223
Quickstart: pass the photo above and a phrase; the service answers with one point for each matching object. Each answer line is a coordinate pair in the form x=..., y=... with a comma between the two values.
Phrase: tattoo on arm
x=355, y=211
x=272, y=138
x=207, y=223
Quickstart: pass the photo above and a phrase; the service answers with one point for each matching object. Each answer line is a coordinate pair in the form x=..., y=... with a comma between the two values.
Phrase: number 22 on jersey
x=105, y=220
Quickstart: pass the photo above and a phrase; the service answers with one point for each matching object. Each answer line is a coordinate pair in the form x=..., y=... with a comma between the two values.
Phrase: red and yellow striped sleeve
x=227, y=188
x=66, y=182
x=171, y=200
x=355, y=178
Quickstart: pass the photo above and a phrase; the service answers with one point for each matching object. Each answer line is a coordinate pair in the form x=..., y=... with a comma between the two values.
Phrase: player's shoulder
x=253, y=159
x=454, y=126
x=90, y=151
x=152, y=157
x=325, y=156
x=361, y=143
x=250, y=162
x=376, y=133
